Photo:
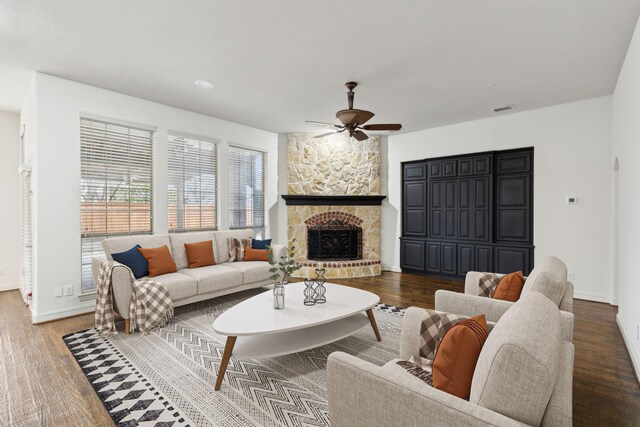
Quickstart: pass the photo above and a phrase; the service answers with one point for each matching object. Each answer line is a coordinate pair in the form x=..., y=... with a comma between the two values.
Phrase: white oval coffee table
x=255, y=329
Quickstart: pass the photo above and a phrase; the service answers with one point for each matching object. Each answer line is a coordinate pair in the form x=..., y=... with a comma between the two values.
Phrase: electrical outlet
x=57, y=292
x=1, y=271
x=68, y=290
x=570, y=276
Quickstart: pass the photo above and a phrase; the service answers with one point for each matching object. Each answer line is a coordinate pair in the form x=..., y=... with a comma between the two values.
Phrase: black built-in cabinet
x=471, y=212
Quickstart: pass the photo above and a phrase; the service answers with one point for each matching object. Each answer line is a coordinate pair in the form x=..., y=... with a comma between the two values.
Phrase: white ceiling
x=278, y=63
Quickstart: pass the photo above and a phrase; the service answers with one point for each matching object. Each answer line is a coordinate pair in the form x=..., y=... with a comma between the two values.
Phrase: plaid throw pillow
x=236, y=248
x=487, y=284
x=434, y=325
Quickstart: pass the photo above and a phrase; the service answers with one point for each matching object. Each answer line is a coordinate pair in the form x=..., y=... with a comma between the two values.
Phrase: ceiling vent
x=504, y=108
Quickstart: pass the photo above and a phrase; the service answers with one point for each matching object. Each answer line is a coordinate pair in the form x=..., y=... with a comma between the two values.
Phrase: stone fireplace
x=333, y=205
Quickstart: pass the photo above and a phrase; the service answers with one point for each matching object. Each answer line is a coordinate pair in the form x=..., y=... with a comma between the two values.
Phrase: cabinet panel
x=513, y=209
x=415, y=222
x=484, y=258
x=433, y=257
x=435, y=169
x=416, y=171
x=465, y=258
x=449, y=168
x=482, y=165
x=414, y=194
x=513, y=162
x=448, y=251
x=465, y=167
x=510, y=259
x=412, y=254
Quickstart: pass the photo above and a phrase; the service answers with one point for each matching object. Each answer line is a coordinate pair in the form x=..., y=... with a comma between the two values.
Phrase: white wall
x=9, y=201
x=626, y=148
x=572, y=144
x=59, y=104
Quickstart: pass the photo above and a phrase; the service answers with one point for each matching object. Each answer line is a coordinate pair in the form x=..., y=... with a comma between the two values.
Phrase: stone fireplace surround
x=305, y=211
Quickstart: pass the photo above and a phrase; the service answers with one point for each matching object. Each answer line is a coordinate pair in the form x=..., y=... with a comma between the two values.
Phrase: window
x=193, y=184
x=116, y=186
x=246, y=190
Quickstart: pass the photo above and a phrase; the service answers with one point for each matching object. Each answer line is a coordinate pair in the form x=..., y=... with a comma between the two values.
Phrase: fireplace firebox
x=335, y=242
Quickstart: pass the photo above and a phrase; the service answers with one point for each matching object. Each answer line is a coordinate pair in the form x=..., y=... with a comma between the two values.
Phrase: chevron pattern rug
x=166, y=378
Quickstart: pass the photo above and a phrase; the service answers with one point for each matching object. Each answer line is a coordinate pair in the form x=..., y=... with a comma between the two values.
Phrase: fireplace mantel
x=342, y=200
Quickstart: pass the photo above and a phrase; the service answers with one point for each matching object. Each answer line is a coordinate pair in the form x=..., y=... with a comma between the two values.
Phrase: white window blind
x=116, y=186
x=26, y=235
x=193, y=184
x=246, y=190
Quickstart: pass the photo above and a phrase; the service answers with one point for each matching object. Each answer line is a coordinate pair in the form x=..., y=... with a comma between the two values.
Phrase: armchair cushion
x=510, y=287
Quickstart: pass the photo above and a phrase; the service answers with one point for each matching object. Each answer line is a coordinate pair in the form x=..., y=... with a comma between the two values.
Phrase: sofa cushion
x=179, y=285
x=260, y=244
x=178, y=241
x=510, y=287
x=159, y=260
x=252, y=271
x=237, y=248
x=457, y=356
x=255, y=254
x=549, y=277
x=518, y=364
x=121, y=244
x=214, y=277
x=134, y=260
x=221, y=245
x=200, y=254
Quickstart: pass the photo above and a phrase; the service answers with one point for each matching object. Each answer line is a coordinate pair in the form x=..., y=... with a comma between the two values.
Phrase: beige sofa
x=549, y=277
x=189, y=285
x=523, y=377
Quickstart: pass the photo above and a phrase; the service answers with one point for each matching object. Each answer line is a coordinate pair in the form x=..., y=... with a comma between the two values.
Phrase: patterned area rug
x=166, y=378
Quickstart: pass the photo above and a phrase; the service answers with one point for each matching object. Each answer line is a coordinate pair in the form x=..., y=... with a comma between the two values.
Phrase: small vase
x=278, y=296
x=309, y=292
x=320, y=290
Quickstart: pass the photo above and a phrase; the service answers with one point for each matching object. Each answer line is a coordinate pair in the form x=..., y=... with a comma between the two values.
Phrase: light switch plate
x=57, y=291
x=1, y=271
x=570, y=276
x=68, y=290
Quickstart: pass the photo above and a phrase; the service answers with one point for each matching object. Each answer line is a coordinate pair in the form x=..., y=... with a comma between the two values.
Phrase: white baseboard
x=635, y=361
x=9, y=286
x=395, y=269
x=591, y=297
x=62, y=313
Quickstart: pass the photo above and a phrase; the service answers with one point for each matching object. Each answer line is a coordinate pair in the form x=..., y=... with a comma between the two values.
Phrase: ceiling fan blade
x=362, y=117
x=390, y=126
x=359, y=135
x=324, y=124
x=329, y=133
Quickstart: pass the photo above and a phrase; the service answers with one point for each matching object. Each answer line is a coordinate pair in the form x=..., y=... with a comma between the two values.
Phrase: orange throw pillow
x=255, y=254
x=457, y=356
x=159, y=260
x=200, y=254
x=510, y=287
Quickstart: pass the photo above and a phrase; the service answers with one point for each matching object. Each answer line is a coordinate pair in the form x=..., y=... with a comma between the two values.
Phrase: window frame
x=260, y=231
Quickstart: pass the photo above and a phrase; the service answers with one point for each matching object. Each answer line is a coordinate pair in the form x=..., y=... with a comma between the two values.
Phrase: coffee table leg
x=374, y=325
x=226, y=355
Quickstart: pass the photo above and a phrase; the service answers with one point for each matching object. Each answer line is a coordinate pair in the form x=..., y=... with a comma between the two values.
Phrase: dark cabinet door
x=514, y=162
x=448, y=255
x=513, y=208
x=450, y=209
x=510, y=259
x=434, y=169
x=415, y=172
x=433, y=257
x=482, y=209
x=466, y=209
x=465, y=166
x=482, y=165
x=449, y=168
x=484, y=258
x=412, y=255
x=436, y=208
x=414, y=213
x=465, y=259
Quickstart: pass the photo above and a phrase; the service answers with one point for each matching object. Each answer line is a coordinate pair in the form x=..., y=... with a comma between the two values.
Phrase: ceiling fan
x=353, y=120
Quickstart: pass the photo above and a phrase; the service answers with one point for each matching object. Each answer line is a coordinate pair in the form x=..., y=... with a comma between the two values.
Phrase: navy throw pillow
x=260, y=244
x=134, y=260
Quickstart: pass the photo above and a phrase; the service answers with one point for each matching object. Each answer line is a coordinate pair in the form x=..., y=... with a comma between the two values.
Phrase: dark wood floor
x=41, y=385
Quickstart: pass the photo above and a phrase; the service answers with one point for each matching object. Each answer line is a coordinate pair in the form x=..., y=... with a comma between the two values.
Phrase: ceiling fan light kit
x=353, y=120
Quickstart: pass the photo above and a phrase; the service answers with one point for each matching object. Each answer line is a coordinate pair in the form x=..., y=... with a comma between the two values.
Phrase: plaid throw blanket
x=150, y=307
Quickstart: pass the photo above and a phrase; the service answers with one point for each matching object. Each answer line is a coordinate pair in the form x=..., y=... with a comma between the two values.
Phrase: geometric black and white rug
x=166, y=378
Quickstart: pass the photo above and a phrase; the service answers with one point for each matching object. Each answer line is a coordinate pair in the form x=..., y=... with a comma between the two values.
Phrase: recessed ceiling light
x=205, y=84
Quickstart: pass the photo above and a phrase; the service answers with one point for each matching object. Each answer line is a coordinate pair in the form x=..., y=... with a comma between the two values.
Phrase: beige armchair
x=523, y=377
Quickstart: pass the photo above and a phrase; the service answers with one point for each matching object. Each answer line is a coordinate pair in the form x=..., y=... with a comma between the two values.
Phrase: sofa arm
x=410, y=334
x=121, y=284
x=470, y=305
x=362, y=394
x=472, y=281
x=493, y=309
x=566, y=304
